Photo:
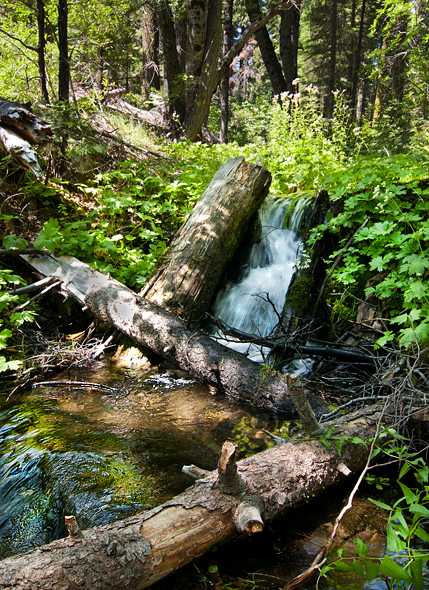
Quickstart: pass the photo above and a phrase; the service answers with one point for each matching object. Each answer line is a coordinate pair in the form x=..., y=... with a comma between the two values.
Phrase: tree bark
x=169, y=337
x=239, y=498
x=228, y=37
x=357, y=58
x=63, y=47
x=150, y=60
x=289, y=34
x=332, y=61
x=200, y=251
x=41, y=49
x=268, y=52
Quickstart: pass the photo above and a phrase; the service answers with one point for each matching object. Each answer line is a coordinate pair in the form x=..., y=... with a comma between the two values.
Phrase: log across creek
x=237, y=499
x=168, y=336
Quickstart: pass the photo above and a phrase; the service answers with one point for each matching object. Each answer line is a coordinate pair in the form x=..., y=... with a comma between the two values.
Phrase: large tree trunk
x=208, y=239
x=63, y=47
x=228, y=38
x=289, y=34
x=150, y=40
x=168, y=336
x=41, y=49
x=239, y=498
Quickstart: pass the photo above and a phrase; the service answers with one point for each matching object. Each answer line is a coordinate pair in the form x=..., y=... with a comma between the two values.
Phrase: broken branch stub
x=247, y=516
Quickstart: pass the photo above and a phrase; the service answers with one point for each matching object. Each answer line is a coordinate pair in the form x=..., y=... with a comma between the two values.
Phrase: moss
x=299, y=294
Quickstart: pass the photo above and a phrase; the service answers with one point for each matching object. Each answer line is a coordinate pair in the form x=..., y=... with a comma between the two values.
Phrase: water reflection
x=104, y=456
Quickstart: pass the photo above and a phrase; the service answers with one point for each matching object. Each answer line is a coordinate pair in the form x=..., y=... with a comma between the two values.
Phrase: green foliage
x=10, y=319
x=403, y=562
x=391, y=195
x=303, y=148
x=137, y=212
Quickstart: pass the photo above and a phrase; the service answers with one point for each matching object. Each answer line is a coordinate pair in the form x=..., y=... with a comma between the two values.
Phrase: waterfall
x=255, y=301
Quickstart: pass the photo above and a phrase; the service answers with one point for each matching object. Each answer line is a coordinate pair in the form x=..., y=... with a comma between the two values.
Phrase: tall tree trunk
x=379, y=92
x=228, y=35
x=198, y=103
x=399, y=60
x=172, y=65
x=268, y=53
x=289, y=34
x=333, y=61
x=149, y=52
x=41, y=49
x=63, y=46
x=356, y=65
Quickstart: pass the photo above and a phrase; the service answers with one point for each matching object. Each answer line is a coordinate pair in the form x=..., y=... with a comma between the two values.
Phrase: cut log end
x=248, y=519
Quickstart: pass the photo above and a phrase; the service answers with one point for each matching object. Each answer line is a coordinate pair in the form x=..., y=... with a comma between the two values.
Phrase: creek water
x=104, y=456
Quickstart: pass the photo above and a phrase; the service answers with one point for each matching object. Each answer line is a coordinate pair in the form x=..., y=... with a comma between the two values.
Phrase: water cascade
x=253, y=304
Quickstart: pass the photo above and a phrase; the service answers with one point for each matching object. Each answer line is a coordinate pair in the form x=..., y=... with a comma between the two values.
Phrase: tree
x=150, y=49
x=289, y=34
x=63, y=46
x=228, y=38
x=267, y=49
x=191, y=43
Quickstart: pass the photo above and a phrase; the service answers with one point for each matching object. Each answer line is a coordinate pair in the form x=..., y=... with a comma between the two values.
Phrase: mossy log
x=238, y=498
x=197, y=257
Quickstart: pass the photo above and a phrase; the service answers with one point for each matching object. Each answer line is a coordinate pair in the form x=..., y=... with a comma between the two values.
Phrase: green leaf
x=344, y=567
x=13, y=243
x=390, y=568
x=419, y=510
x=361, y=548
x=358, y=568
x=422, y=534
x=416, y=572
x=394, y=542
x=371, y=570
x=8, y=365
x=409, y=495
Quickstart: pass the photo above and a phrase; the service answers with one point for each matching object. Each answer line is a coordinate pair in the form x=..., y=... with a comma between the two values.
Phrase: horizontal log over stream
x=168, y=336
x=238, y=498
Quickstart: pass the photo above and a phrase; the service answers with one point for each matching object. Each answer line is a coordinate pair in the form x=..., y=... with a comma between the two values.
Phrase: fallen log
x=200, y=251
x=19, y=130
x=168, y=335
x=240, y=498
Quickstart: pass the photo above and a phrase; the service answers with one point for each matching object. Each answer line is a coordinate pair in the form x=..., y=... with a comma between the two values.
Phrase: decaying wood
x=168, y=336
x=198, y=255
x=19, y=130
x=135, y=553
x=153, y=118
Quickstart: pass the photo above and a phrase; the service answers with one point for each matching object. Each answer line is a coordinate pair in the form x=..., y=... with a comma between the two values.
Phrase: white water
x=252, y=304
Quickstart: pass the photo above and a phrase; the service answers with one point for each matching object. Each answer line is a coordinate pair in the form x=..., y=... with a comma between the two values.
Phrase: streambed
x=104, y=456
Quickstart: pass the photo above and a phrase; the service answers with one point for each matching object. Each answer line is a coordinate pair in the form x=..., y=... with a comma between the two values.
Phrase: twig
x=26, y=303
